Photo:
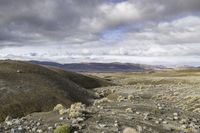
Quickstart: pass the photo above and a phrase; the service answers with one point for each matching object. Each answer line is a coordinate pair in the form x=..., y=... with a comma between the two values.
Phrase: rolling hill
x=27, y=88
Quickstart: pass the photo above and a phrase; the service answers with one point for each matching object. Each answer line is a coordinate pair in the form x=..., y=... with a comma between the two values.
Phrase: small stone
x=165, y=122
x=175, y=118
x=39, y=131
x=146, y=116
x=19, y=71
x=9, y=123
x=116, y=125
x=192, y=125
x=129, y=110
x=102, y=125
x=20, y=128
x=130, y=97
x=38, y=124
x=113, y=113
x=8, y=118
x=34, y=129
x=184, y=126
x=50, y=128
x=175, y=114
x=80, y=119
x=183, y=121
x=61, y=118
x=74, y=121
x=137, y=113
x=157, y=122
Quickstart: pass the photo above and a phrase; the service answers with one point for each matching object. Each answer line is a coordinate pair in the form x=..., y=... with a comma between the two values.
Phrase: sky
x=156, y=32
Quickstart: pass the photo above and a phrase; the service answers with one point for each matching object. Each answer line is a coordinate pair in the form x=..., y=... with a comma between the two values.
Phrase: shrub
x=63, y=129
x=76, y=110
x=61, y=109
x=58, y=107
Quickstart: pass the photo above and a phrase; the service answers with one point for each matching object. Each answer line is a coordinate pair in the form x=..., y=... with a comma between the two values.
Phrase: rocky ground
x=148, y=108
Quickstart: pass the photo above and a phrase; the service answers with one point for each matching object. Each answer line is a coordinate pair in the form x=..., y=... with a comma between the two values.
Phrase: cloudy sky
x=165, y=32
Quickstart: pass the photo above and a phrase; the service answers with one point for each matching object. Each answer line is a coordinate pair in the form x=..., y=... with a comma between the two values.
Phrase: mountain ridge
x=101, y=67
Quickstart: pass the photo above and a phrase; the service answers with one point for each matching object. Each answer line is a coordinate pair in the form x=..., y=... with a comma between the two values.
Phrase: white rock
x=38, y=123
x=116, y=125
x=39, y=131
x=8, y=118
x=176, y=118
x=137, y=113
x=175, y=114
x=165, y=122
x=50, y=128
x=157, y=122
x=9, y=123
x=129, y=110
x=102, y=125
x=130, y=130
x=61, y=118
x=184, y=126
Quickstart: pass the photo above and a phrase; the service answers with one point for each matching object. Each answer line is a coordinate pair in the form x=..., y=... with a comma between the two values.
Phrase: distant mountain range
x=101, y=67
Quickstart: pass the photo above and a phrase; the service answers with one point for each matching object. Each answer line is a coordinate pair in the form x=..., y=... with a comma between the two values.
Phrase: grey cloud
x=56, y=20
x=73, y=29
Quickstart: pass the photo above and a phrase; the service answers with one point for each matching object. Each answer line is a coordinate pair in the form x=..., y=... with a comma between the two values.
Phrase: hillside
x=27, y=88
x=165, y=101
x=101, y=67
x=85, y=81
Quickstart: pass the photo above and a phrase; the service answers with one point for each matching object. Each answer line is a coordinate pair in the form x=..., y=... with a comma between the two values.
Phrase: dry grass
x=180, y=87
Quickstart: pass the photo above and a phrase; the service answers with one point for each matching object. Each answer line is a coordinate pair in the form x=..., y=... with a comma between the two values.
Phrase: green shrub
x=63, y=129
